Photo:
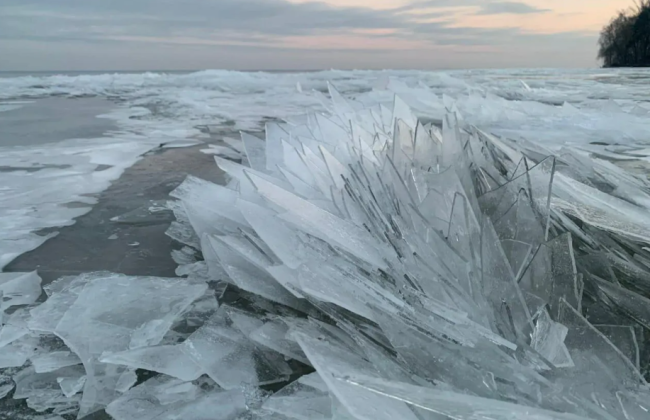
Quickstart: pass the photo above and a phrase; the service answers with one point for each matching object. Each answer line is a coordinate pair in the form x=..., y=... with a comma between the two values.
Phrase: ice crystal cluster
x=366, y=264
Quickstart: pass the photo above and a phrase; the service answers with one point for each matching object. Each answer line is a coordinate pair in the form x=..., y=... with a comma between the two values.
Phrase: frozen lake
x=87, y=162
x=56, y=154
x=51, y=120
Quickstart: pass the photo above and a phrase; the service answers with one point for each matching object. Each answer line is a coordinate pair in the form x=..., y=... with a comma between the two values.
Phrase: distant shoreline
x=634, y=66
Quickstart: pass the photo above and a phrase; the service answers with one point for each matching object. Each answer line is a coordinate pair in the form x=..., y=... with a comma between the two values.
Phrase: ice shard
x=371, y=262
x=19, y=289
x=301, y=401
x=55, y=360
x=230, y=358
x=170, y=360
x=111, y=313
x=171, y=399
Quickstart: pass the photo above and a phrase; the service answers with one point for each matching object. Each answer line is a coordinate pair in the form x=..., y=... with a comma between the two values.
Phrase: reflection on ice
x=365, y=264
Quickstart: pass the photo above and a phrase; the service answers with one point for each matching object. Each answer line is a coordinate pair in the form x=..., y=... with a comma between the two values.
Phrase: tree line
x=625, y=41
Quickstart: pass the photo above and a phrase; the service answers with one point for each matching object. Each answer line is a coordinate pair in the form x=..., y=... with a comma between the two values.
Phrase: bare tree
x=625, y=41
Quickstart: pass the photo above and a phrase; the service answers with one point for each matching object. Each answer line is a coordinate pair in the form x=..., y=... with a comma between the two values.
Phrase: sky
x=300, y=34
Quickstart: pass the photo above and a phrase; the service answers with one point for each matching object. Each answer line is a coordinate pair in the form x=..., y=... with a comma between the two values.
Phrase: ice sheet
x=49, y=185
x=12, y=105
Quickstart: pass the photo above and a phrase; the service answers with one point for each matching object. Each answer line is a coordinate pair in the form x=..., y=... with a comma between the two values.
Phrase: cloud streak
x=258, y=23
x=273, y=17
x=509, y=7
x=244, y=20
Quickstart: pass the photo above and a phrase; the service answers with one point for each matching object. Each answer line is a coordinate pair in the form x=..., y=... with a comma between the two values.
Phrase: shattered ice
x=365, y=264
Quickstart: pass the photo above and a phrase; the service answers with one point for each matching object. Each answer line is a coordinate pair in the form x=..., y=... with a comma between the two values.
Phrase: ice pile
x=365, y=265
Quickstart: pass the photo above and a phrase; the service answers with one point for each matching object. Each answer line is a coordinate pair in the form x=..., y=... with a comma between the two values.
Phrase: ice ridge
x=363, y=265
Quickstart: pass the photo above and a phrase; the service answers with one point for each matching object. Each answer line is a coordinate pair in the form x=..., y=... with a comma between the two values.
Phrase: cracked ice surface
x=365, y=265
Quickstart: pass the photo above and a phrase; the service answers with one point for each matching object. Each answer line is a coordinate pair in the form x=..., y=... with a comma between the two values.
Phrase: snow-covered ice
x=426, y=246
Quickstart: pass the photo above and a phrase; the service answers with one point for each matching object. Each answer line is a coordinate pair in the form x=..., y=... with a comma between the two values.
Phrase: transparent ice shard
x=182, y=233
x=251, y=278
x=43, y=389
x=378, y=355
x=454, y=405
x=255, y=151
x=50, y=362
x=548, y=340
x=114, y=313
x=230, y=358
x=251, y=249
x=313, y=380
x=62, y=294
x=273, y=335
x=401, y=111
x=274, y=136
x=71, y=386
x=140, y=402
x=464, y=233
x=337, y=171
x=551, y=273
x=244, y=321
x=301, y=402
x=601, y=365
x=296, y=167
x=6, y=385
x=632, y=305
x=57, y=404
x=324, y=286
x=625, y=339
x=283, y=240
x=171, y=399
x=218, y=405
x=19, y=289
x=209, y=215
x=169, y=359
x=11, y=357
x=504, y=294
x=321, y=223
x=331, y=361
x=439, y=358
x=519, y=231
x=537, y=182
x=211, y=198
x=452, y=144
x=402, y=148
x=340, y=103
x=126, y=380
x=330, y=132
x=10, y=333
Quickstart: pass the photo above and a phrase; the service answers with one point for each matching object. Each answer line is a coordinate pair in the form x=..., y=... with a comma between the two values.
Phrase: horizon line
x=295, y=70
